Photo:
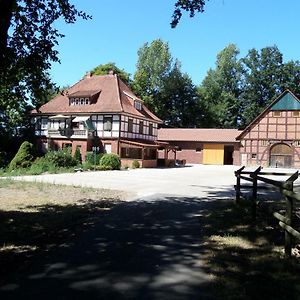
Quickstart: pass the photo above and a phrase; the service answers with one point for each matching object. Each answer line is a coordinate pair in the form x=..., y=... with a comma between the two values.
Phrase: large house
x=99, y=112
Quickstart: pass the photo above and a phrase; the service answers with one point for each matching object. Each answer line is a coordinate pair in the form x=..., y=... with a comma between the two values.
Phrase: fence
x=286, y=189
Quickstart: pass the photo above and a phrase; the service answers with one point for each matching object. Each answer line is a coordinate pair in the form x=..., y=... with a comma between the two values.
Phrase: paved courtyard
x=192, y=180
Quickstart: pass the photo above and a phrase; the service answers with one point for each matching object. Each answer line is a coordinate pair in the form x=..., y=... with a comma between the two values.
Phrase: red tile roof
x=198, y=134
x=114, y=97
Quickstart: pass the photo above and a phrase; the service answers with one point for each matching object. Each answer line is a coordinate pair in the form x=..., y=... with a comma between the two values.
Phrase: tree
x=153, y=67
x=263, y=80
x=164, y=88
x=27, y=41
x=220, y=90
x=180, y=100
x=111, y=66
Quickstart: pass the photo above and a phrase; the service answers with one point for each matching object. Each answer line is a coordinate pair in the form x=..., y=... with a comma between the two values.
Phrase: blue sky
x=119, y=28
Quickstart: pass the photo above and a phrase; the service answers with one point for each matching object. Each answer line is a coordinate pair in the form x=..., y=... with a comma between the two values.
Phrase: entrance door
x=213, y=154
x=281, y=156
x=228, y=155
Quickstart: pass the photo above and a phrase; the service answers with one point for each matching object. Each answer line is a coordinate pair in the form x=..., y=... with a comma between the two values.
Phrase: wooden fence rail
x=286, y=189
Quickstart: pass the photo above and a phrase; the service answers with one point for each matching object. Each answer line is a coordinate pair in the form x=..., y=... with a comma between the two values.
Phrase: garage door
x=213, y=154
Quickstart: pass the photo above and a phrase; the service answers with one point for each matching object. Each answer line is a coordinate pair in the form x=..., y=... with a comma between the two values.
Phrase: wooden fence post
x=238, y=184
x=254, y=192
x=288, y=238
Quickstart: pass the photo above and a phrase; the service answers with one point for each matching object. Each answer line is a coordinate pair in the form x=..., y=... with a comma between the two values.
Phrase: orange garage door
x=213, y=154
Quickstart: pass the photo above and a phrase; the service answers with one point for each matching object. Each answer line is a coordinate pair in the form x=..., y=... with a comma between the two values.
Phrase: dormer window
x=84, y=97
x=137, y=105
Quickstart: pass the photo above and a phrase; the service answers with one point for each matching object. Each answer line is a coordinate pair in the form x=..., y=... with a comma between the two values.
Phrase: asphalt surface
x=192, y=180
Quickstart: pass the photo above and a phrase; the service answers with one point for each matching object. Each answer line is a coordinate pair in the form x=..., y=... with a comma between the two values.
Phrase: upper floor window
x=141, y=127
x=150, y=129
x=137, y=105
x=296, y=113
x=79, y=101
x=276, y=113
x=107, y=123
x=130, y=125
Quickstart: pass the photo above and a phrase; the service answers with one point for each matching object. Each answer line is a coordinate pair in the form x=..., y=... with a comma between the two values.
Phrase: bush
x=77, y=155
x=61, y=158
x=23, y=158
x=110, y=161
x=90, y=158
x=41, y=165
x=135, y=164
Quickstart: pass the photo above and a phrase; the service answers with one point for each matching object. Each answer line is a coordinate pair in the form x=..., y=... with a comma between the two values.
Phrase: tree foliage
x=238, y=89
x=220, y=90
x=104, y=69
x=27, y=40
x=190, y=6
x=160, y=82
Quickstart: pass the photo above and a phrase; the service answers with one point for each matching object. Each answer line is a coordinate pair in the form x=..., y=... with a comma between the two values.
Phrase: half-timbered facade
x=100, y=112
x=273, y=138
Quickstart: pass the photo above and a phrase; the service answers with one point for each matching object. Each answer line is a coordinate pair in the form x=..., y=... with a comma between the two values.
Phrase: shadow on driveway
x=160, y=247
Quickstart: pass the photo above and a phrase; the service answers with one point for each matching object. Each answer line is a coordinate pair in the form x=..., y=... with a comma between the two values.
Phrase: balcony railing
x=70, y=133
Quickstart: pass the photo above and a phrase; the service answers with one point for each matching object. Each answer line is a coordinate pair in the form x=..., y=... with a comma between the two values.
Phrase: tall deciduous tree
x=27, y=41
x=263, y=80
x=104, y=69
x=220, y=90
x=164, y=88
x=153, y=68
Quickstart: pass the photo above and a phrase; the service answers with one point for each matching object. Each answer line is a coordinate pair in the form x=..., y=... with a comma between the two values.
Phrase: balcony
x=70, y=133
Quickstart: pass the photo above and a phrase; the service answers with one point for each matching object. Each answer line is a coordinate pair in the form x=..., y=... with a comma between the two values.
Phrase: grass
x=35, y=217
x=246, y=259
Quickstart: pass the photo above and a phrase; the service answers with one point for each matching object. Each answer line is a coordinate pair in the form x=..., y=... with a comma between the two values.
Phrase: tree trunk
x=7, y=8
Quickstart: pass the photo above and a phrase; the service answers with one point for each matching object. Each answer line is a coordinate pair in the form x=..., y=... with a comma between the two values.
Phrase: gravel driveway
x=192, y=180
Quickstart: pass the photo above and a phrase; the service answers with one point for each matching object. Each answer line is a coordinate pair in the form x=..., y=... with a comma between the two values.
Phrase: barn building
x=202, y=145
x=273, y=138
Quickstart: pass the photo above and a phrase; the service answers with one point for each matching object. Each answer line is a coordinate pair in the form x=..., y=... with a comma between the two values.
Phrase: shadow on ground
x=160, y=247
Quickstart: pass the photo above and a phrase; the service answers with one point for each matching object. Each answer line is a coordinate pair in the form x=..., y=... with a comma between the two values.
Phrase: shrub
x=91, y=159
x=41, y=165
x=135, y=164
x=77, y=155
x=61, y=158
x=23, y=158
x=110, y=160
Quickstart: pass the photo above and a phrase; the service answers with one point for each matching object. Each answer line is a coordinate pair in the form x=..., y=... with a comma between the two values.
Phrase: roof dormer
x=83, y=97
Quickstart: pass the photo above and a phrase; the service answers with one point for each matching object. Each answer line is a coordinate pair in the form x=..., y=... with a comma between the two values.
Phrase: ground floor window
x=135, y=153
x=150, y=154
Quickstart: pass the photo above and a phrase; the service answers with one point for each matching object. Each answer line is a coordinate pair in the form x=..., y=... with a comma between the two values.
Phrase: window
x=276, y=113
x=87, y=100
x=44, y=124
x=77, y=101
x=179, y=149
x=297, y=143
x=141, y=127
x=81, y=101
x=150, y=129
x=264, y=142
x=130, y=125
x=107, y=123
x=198, y=149
x=137, y=105
x=296, y=113
x=253, y=155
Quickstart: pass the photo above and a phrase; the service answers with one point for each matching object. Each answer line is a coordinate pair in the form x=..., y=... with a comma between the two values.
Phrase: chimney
x=88, y=75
